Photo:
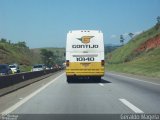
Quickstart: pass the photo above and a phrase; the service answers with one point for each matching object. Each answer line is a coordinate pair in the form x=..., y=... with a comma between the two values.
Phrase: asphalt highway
x=115, y=94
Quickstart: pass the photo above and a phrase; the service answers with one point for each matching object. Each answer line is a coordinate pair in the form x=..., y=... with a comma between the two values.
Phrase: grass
x=146, y=63
x=10, y=54
x=14, y=54
x=25, y=57
x=25, y=68
x=123, y=53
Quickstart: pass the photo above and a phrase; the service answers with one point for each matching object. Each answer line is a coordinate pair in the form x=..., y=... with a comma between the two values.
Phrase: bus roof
x=83, y=31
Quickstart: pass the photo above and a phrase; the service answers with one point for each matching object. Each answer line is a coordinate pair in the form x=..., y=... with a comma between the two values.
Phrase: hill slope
x=14, y=53
x=21, y=54
x=141, y=55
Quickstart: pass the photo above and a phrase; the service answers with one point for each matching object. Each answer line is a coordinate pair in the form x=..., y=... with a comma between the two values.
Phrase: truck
x=85, y=55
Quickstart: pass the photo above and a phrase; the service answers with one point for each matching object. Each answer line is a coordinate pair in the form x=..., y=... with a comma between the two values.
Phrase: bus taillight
x=102, y=62
x=67, y=63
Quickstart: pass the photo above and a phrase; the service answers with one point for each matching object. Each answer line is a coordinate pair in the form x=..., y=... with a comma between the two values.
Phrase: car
x=48, y=68
x=14, y=68
x=5, y=69
x=38, y=67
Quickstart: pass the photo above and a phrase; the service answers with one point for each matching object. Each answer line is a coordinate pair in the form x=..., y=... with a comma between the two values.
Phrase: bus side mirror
x=64, y=54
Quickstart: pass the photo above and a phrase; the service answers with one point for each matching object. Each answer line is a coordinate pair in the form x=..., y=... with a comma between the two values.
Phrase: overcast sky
x=45, y=23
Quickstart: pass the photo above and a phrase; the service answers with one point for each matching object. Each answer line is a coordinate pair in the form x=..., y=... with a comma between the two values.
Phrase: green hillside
x=124, y=59
x=58, y=53
x=15, y=53
x=21, y=54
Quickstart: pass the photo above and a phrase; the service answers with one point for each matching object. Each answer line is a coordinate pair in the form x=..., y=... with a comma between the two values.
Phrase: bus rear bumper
x=84, y=73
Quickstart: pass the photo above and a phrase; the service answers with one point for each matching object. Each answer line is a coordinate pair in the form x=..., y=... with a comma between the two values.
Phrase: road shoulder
x=136, y=77
x=12, y=98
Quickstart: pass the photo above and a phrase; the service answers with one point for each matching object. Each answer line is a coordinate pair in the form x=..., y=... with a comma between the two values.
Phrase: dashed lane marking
x=101, y=84
x=131, y=106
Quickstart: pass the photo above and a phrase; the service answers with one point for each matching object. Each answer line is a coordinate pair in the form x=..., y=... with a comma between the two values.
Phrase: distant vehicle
x=38, y=67
x=48, y=67
x=85, y=54
x=5, y=69
x=64, y=65
x=14, y=68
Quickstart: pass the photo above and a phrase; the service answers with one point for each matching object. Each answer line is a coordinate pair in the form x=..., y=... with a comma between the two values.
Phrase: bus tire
x=98, y=79
x=69, y=79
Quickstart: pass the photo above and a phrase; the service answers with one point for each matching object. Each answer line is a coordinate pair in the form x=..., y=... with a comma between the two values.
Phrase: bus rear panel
x=85, y=54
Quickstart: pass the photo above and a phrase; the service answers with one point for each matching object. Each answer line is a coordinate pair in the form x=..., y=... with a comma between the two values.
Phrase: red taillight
x=67, y=63
x=102, y=62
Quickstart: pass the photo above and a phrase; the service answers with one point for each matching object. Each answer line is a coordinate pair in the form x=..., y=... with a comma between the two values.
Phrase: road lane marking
x=18, y=104
x=131, y=106
x=101, y=84
x=134, y=79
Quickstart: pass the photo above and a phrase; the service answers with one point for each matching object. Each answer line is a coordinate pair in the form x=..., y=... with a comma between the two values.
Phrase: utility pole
x=122, y=40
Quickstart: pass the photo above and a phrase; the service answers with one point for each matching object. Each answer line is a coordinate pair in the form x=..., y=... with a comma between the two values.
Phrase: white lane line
x=134, y=79
x=15, y=106
x=131, y=106
x=101, y=84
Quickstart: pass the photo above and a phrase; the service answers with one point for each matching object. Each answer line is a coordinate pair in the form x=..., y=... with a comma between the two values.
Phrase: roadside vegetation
x=49, y=56
x=25, y=57
x=11, y=53
x=126, y=59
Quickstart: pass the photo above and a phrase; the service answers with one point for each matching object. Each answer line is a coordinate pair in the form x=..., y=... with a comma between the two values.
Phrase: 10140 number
x=85, y=58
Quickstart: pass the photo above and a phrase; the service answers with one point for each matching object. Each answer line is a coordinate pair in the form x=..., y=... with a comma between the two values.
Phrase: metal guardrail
x=12, y=82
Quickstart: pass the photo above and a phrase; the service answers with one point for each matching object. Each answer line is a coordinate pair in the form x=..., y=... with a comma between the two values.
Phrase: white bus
x=85, y=54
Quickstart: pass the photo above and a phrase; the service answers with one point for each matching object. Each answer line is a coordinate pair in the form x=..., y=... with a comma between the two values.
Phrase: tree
x=157, y=26
x=3, y=40
x=21, y=44
x=122, y=39
x=131, y=35
x=9, y=41
x=47, y=57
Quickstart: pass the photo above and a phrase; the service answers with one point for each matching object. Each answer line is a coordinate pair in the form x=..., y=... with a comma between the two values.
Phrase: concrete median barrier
x=13, y=82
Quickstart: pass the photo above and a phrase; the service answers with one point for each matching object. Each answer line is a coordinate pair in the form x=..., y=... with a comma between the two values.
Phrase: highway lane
x=142, y=93
x=114, y=95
